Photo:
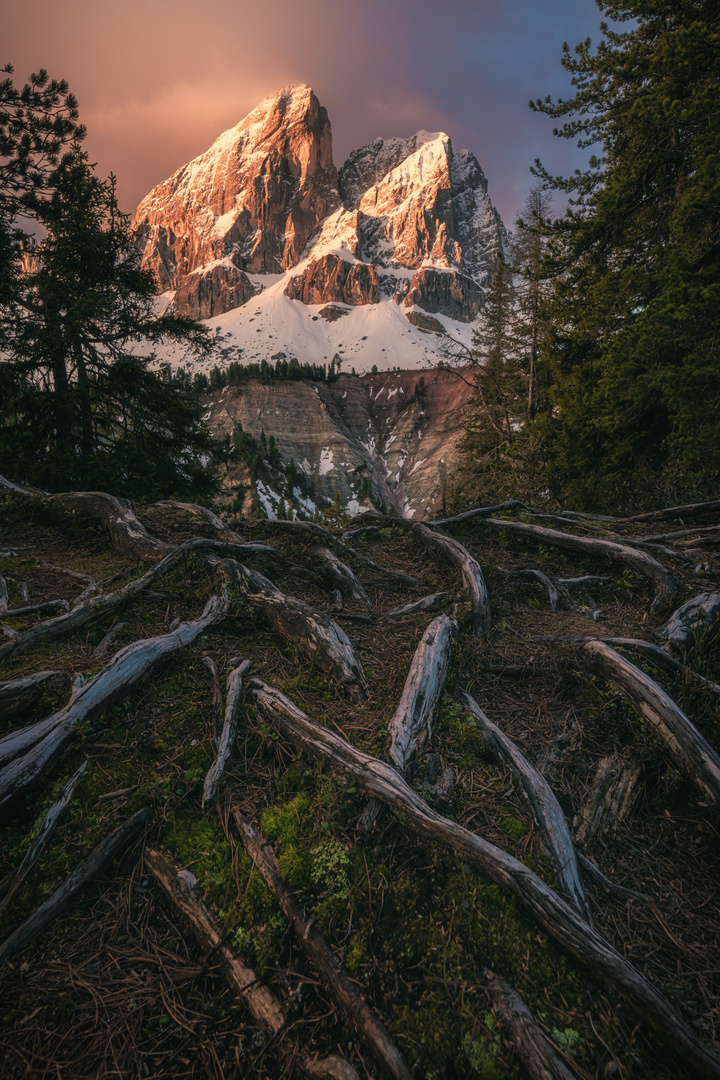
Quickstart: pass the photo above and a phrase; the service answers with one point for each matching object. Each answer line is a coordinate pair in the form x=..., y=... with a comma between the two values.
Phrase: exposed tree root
x=554, y=915
x=663, y=580
x=127, y=534
x=87, y=871
x=470, y=571
x=316, y=634
x=10, y=885
x=370, y=1029
x=426, y=603
x=612, y=798
x=40, y=743
x=17, y=695
x=338, y=575
x=539, y=1055
x=592, y=871
x=226, y=741
x=546, y=809
x=698, y=619
x=222, y=529
x=44, y=608
x=480, y=511
x=411, y=724
x=264, y=1006
x=691, y=752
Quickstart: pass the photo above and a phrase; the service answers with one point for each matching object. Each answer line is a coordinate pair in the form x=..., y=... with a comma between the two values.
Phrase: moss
x=513, y=826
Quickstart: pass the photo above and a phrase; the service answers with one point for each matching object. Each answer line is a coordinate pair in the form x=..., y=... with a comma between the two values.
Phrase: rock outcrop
x=212, y=290
x=455, y=295
x=332, y=278
x=258, y=194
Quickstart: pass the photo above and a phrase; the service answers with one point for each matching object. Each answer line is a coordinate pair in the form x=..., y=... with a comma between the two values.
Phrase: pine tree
x=636, y=305
x=81, y=407
x=529, y=250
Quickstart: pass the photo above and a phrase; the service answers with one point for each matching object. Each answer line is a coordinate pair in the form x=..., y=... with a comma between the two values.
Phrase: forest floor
x=115, y=987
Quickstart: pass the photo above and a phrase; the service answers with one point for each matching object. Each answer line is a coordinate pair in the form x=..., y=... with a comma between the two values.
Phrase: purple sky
x=158, y=80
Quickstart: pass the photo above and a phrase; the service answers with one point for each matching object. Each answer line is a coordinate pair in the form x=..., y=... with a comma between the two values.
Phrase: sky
x=158, y=80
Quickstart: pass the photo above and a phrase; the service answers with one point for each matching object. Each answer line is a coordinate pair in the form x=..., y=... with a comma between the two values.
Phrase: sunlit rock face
x=264, y=214
x=258, y=194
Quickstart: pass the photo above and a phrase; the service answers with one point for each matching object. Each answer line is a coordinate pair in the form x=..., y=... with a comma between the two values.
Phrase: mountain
x=388, y=439
x=262, y=236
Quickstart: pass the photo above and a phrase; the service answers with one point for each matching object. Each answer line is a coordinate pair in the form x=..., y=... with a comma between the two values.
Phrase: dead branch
x=366, y=1023
x=559, y=920
x=545, y=807
x=316, y=634
x=265, y=1008
x=4, y=596
x=662, y=659
x=539, y=1055
x=674, y=512
x=338, y=575
x=10, y=885
x=40, y=743
x=227, y=737
x=470, y=571
x=210, y=664
x=592, y=871
x=690, y=751
x=663, y=580
x=480, y=511
x=548, y=584
x=17, y=695
x=87, y=871
x=46, y=607
x=221, y=528
x=108, y=640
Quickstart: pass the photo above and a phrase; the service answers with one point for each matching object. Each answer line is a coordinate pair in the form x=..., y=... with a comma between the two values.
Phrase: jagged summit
x=262, y=229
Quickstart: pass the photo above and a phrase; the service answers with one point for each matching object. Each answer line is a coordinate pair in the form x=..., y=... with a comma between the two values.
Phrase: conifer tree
x=636, y=306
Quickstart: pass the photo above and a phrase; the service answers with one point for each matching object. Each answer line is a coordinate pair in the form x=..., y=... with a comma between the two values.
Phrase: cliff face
x=258, y=194
x=407, y=220
x=394, y=434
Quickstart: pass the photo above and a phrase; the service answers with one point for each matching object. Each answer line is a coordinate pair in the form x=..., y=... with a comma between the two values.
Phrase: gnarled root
x=235, y=690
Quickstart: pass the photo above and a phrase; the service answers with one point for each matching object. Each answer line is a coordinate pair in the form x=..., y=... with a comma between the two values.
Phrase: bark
x=265, y=1008
x=235, y=692
x=17, y=695
x=331, y=972
x=557, y=917
x=127, y=534
x=426, y=603
x=546, y=809
x=44, y=608
x=612, y=798
x=411, y=724
x=639, y=561
x=319, y=637
x=13, y=881
x=662, y=659
x=40, y=743
x=691, y=752
x=338, y=575
x=470, y=571
x=222, y=530
x=4, y=597
x=539, y=1055
x=107, y=850
x=481, y=511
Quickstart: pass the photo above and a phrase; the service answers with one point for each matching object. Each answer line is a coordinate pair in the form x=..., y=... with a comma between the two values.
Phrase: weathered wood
x=338, y=575
x=470, y=572
x=45, y=607
x=690, y=751
x=698, y=619
x=40, y=743
x=370, y=1029
x=539, y=1055
x=548, y=584
x=611, y=799
x=388, y=571
x=4, y=595
x=587, y=581
x=335, y=542
x=210, y=518
x=425, y=603
x=411, y=724
x=501, y=750
x=13, y=881
x=16, y=695
x=556, y=916
x=96, y=608
x=127, y=533
x=663, y=659
x=87, y=871
x=265, y=1008
x=8, y=485
x=639, y=561
x=597, y=875
x=319, y=637
x=227, y=737
x=480, y=511
x=674, y=512
x=216, y=707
